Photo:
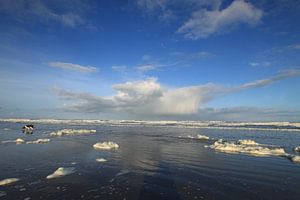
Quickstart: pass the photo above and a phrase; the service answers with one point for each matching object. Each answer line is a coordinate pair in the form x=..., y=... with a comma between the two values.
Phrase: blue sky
x=150, y=59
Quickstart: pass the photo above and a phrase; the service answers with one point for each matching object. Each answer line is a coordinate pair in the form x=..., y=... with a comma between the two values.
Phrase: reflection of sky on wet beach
x=151, y=162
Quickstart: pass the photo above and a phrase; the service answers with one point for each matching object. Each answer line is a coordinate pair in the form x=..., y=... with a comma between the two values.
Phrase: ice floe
x=8, y=181
x=106, y=145
x=101, y=160
x=60, y=172
x=17, y=141
x=297, y=149
x=72, y=132
x=247, y=147
x=39, y=141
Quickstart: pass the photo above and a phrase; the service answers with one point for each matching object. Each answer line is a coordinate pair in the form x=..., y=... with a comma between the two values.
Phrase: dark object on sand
x=28, y=129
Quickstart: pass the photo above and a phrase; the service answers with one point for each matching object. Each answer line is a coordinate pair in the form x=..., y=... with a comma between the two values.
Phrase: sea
x=153, y=160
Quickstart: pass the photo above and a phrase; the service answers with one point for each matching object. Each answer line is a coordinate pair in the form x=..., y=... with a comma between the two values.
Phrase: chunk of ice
x=8, y=181
x=106, y=145
x=60, y=172
x=101, y=160
x=246, y=148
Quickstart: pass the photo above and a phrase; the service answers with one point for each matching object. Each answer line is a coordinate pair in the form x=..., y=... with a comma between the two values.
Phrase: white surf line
x=71, y=132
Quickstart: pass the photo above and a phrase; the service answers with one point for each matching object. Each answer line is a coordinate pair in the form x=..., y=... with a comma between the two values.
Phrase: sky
x=150, y=59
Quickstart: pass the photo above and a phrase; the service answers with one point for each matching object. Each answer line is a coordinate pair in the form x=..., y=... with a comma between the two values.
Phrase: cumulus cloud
x=73, y=67
x=149, y=97
x=204, y=23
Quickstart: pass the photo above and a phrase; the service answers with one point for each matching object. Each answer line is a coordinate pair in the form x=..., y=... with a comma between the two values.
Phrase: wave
x=278, y=126
x=39, y=141
x=71, y=132
x=17, y=141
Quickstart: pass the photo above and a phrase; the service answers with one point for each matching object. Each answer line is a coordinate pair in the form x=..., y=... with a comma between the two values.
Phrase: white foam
x=296, y=158
x=297, y=149
x=247, y=142
x=101, y=160
x=292, y=157
x=72, y=132
x=255, y=150
x=17, y=141
x=202, y=137
x=39, y=141
x=273, y=126
x=8, y=181
x=106, y=145
x=60, y=172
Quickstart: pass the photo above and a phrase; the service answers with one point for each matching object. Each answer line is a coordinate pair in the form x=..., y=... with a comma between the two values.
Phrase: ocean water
x=152, y=162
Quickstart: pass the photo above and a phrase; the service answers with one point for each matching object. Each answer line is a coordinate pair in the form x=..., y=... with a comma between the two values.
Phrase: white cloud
x=169, y=10
x=73, y=67
x=205, y=23
x=243, y=113
x=148, y=97
x=69, y=15
x=146, y=68
x=260, y=64
x=295, y=46
x=119, y=68
x=263, y=82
